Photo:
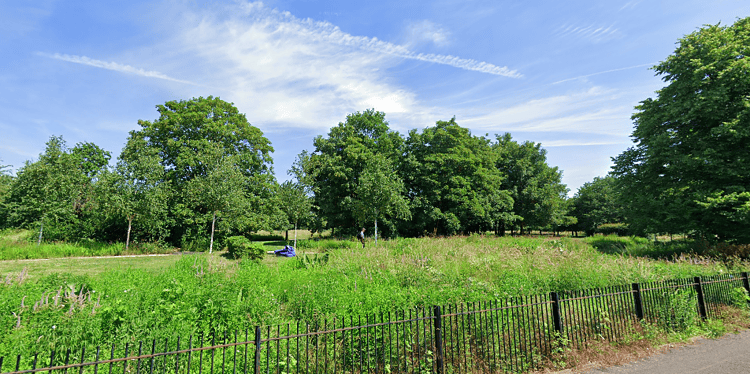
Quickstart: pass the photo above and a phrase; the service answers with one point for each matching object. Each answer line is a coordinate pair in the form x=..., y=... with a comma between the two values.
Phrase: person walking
x=361, y=237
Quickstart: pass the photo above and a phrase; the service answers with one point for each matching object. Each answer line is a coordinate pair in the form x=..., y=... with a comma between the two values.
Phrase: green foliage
x=619, y=229
x=295, y=203
x=326, y=244
x=740, y=298
x=596, y=203
x=305, y=261
x=203, y=292
x=676, y=310
x=137, y=193
x=688, y=170
x=199, y=143
x=380, y=194
x=28, y=249
x=264, y=237
x=6, y=180
x=57, y=191
x=452, y=182
x=335, y=167
x=241, y=247
x=536, y=188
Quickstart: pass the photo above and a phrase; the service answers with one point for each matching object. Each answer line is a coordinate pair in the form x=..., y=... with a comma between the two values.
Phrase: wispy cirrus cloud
x=594, y=111
x=323, y=31
x=605, y=72
x=83, y=60
x=426, y=31
x=581, y=143
x=630, y=5
x=593, y=33
x=287, y=72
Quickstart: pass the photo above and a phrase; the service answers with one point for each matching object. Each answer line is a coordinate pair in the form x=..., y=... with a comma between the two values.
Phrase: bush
x=242, y=247
x=266, y=237
x=619, y=229
x=195, y=244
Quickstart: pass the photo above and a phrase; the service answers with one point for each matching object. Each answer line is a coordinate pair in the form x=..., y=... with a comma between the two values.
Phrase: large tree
x=57, y=190
x=188, y=138
x=537, y=189
x=137, y=192
x=334, y=168
x=296, y=205
x=380, y=194
x=687, y=171
x=596, y=203
x=451, y=181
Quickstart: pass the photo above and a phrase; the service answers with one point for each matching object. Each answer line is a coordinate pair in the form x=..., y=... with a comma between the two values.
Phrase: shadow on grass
x=278, y=243
x=642, y=247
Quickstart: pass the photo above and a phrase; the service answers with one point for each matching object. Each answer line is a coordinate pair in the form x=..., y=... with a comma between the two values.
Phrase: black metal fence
x=512, y=335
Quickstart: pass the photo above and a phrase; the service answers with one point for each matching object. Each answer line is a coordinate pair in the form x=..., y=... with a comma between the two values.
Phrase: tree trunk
x=376, y=231
x=41, y=228
x=295, y=235
x=287, y=234
x=213, y=225
x=127, y=238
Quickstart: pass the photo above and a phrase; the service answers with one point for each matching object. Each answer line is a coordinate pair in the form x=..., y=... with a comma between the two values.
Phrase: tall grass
x=20, y=244
x=201, y=292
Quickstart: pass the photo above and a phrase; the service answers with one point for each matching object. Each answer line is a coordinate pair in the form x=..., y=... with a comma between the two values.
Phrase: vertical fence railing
x=512, y=335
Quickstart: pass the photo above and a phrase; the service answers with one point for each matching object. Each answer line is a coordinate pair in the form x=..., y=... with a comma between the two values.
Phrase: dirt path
x=728, y=354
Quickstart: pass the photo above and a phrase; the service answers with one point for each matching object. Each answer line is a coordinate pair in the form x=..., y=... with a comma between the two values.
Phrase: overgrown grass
x=20, y=244
x=199, y=292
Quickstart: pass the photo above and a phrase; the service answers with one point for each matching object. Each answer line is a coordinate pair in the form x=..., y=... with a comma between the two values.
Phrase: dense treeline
x=201, y=171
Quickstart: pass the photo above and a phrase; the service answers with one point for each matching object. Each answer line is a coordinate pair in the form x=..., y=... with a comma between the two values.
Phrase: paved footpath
x=729, y=354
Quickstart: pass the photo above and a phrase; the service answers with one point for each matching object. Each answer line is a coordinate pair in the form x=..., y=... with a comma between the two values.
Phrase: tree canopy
x=687, y=171
x=452, y=181
x=198, y=142
x=596, y=203
x=335, y=166
x=536, y=188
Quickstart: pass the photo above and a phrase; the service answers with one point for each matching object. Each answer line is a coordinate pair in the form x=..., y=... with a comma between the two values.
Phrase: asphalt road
x=729, y=354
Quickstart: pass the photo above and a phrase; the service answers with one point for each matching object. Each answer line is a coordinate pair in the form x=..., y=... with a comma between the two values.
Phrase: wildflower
x=54, y=327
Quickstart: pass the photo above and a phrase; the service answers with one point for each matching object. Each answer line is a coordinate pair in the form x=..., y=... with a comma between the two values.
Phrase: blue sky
x=566, y=74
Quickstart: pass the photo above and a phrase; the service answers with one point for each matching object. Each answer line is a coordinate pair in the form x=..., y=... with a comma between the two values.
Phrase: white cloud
x=594, y=111
x=320, y=32
x=605, y=72
x=294, y=72
x=630, y=5
x=426, y=31
x=111, y=66
x=580, y=143
x=592, y=33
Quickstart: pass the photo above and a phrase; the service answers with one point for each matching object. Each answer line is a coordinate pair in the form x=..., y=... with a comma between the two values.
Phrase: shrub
x=242, y=247
x=195, y=244
x=619, y=229
x=266, y=237
x=676, y=310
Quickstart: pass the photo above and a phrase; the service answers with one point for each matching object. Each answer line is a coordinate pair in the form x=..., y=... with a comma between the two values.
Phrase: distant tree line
x=200, y=172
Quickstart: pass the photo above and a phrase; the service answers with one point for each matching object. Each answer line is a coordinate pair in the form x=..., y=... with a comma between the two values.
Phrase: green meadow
x=76, y=301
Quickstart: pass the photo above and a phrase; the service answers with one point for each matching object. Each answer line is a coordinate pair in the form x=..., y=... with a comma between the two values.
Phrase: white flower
x=54, y=327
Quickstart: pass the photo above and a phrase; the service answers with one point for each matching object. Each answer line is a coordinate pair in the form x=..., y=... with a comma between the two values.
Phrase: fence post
x=257, y=350
x=701, y=300
x=556, y=312
x=438, y=325
x=638, y=301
